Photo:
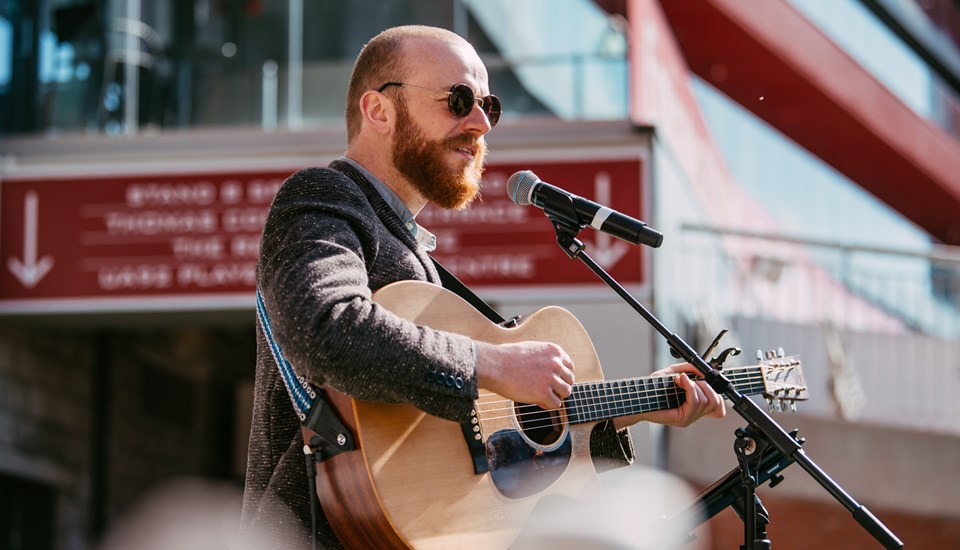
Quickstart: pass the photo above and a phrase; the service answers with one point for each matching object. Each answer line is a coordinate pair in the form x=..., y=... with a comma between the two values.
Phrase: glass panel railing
x=878, y=345
x=880, y=51
x=175, y=67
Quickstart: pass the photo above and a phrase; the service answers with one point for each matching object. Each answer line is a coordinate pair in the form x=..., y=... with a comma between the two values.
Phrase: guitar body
x=411, y=481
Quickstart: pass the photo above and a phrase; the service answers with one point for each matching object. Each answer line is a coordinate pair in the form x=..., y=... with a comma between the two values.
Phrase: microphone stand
x=760, y=425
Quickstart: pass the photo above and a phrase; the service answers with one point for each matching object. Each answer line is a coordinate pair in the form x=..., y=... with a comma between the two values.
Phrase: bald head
x=385, y=59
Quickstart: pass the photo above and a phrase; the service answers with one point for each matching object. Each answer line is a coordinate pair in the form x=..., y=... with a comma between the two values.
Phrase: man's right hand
x=540, y=373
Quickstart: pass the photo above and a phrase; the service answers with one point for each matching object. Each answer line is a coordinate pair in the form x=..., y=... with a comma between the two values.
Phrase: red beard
x=423, y=163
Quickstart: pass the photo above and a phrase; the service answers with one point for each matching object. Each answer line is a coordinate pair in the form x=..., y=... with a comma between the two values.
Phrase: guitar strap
x=451, y=283
x=322, y=429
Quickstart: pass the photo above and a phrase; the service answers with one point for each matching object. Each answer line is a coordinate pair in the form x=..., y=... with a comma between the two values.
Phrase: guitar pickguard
x=519, y=470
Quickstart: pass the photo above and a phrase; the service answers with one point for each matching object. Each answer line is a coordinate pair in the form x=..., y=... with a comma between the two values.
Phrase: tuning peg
x=780, y=352
x=759, y=355
x=793, y=406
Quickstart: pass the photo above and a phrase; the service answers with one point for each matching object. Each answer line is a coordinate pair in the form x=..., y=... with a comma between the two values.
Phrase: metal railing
x=878, y=329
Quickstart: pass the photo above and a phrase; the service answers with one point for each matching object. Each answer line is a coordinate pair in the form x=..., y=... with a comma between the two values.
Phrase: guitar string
x=602, y=412
x=553, y=420
x=631, y=393
x=662, y=380
x=660, y=396
x=626, y=395
x=630, y=397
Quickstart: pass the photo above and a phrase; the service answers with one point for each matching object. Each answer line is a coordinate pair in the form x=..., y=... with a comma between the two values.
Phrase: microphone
x=525, y=188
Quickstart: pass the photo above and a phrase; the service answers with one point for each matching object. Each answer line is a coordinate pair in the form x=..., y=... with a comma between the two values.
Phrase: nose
x=477, y=120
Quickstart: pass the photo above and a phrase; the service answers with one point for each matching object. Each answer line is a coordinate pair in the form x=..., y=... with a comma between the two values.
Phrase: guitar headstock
x=783, y=381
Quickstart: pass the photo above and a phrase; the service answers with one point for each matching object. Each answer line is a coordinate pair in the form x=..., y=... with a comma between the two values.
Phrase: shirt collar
x=426, y=239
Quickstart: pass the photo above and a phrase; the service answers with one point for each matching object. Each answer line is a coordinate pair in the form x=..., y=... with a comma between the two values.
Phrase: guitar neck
x=605, y=399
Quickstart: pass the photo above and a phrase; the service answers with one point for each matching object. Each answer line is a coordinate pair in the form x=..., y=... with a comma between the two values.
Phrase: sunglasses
x=460, y=101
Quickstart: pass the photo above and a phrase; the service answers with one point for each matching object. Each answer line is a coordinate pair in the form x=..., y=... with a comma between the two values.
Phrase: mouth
x=468, y=151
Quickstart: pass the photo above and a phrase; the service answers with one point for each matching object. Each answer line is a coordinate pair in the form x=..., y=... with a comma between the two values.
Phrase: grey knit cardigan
x=330, y=240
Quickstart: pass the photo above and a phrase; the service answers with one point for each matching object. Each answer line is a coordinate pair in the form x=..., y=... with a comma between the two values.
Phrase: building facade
x=800, y=157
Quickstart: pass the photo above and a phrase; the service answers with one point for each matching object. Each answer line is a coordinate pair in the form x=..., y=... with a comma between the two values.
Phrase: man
x=418, y=108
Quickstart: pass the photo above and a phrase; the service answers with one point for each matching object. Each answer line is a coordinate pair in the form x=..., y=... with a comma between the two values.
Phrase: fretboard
x=601, y=400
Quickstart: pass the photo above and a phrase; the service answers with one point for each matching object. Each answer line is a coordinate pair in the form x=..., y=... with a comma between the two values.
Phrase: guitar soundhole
x=540, y=426
x=518, y=469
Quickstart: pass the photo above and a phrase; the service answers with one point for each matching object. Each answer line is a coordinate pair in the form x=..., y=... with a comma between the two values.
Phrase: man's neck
x=390, y=177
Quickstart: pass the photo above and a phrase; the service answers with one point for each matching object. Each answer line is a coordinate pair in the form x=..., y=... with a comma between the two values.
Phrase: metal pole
x=131, y=72
x=295, y=66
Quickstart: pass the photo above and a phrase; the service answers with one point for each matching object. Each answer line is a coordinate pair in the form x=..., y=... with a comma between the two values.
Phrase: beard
x=424, y=163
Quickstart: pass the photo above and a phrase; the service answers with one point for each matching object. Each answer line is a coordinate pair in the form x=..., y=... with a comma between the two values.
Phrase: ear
x=377, y=111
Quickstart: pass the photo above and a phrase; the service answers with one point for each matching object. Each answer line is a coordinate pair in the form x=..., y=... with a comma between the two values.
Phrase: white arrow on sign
x=30, y=270
x=608, y=250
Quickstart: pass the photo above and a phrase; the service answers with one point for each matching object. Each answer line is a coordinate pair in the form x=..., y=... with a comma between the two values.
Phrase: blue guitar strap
x=324, y=431
x=302, y=395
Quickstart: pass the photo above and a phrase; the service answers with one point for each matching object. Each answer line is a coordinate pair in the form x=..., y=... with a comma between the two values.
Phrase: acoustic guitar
x=418, y=481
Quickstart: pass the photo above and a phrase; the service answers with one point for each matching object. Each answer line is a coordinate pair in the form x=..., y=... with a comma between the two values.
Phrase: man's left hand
x=700, y=401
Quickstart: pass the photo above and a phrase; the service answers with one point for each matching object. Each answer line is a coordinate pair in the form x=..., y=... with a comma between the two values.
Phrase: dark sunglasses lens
x=461, y=100
x=461, y=103
x=491, y=106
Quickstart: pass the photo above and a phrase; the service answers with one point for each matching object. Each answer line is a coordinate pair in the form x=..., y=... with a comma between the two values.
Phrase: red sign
x=144, y=242
x=497, y=243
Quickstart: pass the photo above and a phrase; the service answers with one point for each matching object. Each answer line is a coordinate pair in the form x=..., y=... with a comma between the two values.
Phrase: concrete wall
x=106, y=416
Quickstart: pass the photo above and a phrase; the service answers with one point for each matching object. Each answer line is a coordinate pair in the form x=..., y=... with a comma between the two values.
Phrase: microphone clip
x=560, y=213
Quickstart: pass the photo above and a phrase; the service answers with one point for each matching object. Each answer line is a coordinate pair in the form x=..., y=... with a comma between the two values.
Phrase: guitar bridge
x=474, y=439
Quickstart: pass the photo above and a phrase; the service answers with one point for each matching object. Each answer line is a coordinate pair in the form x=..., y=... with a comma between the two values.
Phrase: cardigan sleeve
x=321, y=248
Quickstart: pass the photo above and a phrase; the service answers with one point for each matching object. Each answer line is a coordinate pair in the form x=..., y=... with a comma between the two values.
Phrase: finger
x=551, y=401
x=713, y=400
x=562, y=389
x=719, y=406
x=694, y=406
x=696, y=398
x=566, y=374
x=721, y=410
x=689, y=386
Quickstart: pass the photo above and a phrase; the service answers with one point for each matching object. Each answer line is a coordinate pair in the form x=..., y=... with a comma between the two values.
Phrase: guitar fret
x=572, y=407
x=575, y=413
x=666, y=385
x=614, y=391
x=652, y=395
x=615, y=398
x=644, y=396
x=641, y=395
x=626, y=397
x=673, y=396
x=594, y=402
x=604, y=399
x=634, y=397
x=656, y=394
x=611, y=389
x=603, y=389
x=586, y=401
x=603, y=394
